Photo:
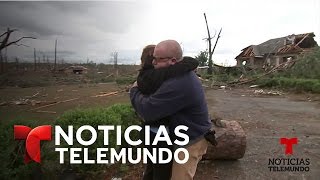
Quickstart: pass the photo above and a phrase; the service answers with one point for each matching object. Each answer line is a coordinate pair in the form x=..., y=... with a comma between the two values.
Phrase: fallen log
x=231, y=141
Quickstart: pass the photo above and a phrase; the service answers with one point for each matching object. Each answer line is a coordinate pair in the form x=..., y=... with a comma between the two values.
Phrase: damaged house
x=276, y=51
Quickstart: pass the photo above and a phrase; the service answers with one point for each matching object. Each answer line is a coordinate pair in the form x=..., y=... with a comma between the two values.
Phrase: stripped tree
x=210, y=51
x=4, y=42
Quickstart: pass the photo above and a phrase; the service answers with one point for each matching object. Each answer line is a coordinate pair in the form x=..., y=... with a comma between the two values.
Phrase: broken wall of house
x=276, y=51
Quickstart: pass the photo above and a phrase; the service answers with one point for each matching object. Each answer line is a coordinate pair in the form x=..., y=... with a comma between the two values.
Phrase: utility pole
x=55, y=55
x=48, y=64
x=115, y=63
x=1, y=62
x=17, y=63
x=35, y=59
x=115, y=59
x=6, y=60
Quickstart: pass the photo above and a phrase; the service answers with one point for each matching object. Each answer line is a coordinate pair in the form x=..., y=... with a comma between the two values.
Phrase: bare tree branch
x=22, y=45
x=15, y=42
x=8, y=31
x=5, y=42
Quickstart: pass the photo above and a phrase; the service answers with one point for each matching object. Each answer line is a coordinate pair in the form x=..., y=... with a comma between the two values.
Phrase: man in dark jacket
x=182, y=98
x=149, y=80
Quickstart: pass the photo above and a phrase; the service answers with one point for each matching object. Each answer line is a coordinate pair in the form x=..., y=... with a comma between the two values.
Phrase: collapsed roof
x=288, y=44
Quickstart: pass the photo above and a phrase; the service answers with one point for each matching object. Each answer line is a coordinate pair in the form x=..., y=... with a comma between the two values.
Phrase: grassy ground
x=264, y=119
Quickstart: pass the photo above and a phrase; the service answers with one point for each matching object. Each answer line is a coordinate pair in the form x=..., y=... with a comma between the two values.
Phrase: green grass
x=13, y=167
x=126, y=80
x=293, y=84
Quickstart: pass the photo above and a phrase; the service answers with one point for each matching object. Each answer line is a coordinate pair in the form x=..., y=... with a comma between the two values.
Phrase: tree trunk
x=17, y=64
x=35, y=59
x=1, y=63
x=231, y=141
x=210, y=63
x=55, y=55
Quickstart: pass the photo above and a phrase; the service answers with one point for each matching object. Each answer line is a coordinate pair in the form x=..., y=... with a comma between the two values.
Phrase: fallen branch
x=3, y=103
x=110, y=93
x=109, y=75
x=21, y=102
x=53, y=104
x=36, y=94
x=51, y=112
x=282, y=65
x=107, y=94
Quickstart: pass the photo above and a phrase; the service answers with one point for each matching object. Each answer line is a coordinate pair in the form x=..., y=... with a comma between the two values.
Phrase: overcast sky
x=95, y=29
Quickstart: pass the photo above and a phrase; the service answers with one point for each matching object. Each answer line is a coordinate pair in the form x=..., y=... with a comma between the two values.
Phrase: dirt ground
x=264, y=118
x=55, y=94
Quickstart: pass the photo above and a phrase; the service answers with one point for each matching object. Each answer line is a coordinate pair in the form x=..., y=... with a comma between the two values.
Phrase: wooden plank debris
x=106, y=94
x=54, y=104
x=50, y=112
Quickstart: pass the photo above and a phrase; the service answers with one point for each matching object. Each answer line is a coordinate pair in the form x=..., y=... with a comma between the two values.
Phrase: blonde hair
x=147, y=51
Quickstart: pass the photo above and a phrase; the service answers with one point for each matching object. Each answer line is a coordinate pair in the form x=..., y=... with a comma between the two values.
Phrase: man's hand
x=135, y=84
x=129, y=87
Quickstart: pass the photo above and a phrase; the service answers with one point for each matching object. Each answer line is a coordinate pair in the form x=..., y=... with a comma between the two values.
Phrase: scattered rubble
x=3, y=103
x=254, y=86
x=271, y=92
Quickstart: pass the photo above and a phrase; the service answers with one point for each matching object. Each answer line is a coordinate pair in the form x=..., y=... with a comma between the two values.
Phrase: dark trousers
x=156, y=171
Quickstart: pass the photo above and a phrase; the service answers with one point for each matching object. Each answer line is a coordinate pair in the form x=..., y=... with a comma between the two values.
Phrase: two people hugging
x=168, y=92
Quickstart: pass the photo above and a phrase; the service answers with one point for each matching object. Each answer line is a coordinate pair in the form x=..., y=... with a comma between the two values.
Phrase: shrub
x=126, y=80
x=118, y=114
x=298, y=85
x=303, y=76
x=307, y=66
x=224, y=78
x=12, y=152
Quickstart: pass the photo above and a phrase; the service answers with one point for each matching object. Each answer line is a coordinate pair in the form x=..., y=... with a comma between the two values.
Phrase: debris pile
x=271, y=92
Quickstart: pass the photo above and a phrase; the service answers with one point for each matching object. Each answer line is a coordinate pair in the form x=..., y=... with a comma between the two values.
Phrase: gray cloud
x=91, y=28
x=95, y=29
x=58, y=18
x=26, y=16
x=50, y=54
